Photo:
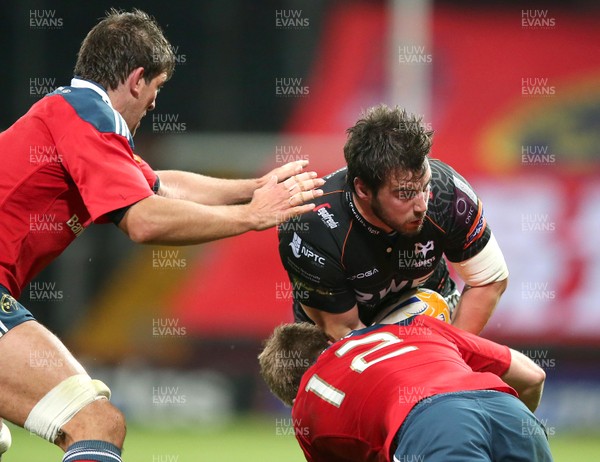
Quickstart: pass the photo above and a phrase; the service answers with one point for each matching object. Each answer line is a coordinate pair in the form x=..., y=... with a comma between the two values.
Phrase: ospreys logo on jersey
x=299, y=249
x=8, y=304
x=418, y=257
x=422, y=249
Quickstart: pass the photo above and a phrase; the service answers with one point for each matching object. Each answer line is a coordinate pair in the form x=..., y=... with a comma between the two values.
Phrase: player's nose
x=420, y=204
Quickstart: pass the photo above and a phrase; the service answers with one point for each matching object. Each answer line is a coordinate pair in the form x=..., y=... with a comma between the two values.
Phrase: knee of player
x=120, y=424
x=77, y=409
x=112, y=421
x=111, y=417
x=99, y=421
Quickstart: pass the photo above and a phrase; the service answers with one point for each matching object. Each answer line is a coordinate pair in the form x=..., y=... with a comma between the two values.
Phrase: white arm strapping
x=62, y=402
x=484, y=268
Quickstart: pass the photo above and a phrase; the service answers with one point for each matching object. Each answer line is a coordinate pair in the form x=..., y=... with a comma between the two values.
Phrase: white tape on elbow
x=62, y=402
x=484, y=268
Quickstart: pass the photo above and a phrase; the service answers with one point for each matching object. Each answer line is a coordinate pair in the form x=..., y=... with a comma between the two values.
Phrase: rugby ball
x=417, y=301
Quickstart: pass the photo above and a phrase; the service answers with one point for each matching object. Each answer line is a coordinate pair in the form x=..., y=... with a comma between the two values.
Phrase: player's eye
x=407, y=194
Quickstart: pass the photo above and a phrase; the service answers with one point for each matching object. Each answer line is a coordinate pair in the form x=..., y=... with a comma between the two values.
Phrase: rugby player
x=419, y=389
x=385, y=225
x=71, y=157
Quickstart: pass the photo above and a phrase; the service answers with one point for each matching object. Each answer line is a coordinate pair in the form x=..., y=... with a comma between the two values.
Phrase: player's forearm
x=532, y=396
x=527, y=378
x=476, y=306
x=158, y=220
x=206, y=190
x=162, y=220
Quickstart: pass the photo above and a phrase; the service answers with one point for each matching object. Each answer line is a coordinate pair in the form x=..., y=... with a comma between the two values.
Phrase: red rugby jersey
x=353, y=400
x=66, y=163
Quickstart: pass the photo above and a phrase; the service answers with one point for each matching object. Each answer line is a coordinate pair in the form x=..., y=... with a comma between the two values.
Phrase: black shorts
x=12, y=313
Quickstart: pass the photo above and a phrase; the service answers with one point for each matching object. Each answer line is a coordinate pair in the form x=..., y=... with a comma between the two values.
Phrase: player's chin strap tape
x=62, y=402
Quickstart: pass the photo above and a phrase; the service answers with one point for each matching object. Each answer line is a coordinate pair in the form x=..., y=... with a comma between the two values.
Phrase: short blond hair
x=287, y=354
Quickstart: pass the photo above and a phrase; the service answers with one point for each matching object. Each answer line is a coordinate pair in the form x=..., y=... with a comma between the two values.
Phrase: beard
x=407, y=227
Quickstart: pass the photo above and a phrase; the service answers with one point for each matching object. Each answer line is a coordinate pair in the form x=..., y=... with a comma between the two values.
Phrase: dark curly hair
x=384, y=141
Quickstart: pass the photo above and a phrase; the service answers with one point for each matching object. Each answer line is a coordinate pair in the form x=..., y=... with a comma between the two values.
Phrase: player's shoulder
x=445, y=180
x=442, y=174
x=331, y=209
x=92, y=108
x=326, y=225
x=335, y=182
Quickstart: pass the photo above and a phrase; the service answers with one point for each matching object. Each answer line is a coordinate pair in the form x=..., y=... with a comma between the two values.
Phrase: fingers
x=298, y=181
x=299, y=210
x=276, y=202
x=296, y=166
x=299, y=165
x=304, y=196
x=301, y=188
x=290, y=169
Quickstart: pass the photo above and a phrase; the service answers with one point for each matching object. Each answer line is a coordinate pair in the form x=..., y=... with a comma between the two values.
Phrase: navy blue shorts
x=471, y=426
x=12, y=313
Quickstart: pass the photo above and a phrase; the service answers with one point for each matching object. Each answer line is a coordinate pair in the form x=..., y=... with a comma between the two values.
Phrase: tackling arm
x=527, y=378
x=484, y=355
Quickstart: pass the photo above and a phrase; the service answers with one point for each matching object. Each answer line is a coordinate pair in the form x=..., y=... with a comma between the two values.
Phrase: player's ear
x=135, y=81
x=362, y=190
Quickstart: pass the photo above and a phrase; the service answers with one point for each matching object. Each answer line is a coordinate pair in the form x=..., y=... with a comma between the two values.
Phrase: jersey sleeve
x=107, y=173
x=481, y=354
x=317, y=278
x=150, y=175
x=468, y=231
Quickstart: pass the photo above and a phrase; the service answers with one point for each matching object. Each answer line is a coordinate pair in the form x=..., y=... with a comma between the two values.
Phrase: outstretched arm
x=176, y=184
x=167, y=221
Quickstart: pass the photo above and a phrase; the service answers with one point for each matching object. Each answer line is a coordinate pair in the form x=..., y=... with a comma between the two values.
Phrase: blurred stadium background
x=512, y=91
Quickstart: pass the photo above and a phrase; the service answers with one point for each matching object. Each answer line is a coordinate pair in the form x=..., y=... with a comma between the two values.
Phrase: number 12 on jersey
x=358, y=364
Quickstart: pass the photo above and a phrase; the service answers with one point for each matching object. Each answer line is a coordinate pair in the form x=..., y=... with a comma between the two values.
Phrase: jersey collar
x=359, y=218
x=81, y=83
x=76, y=82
